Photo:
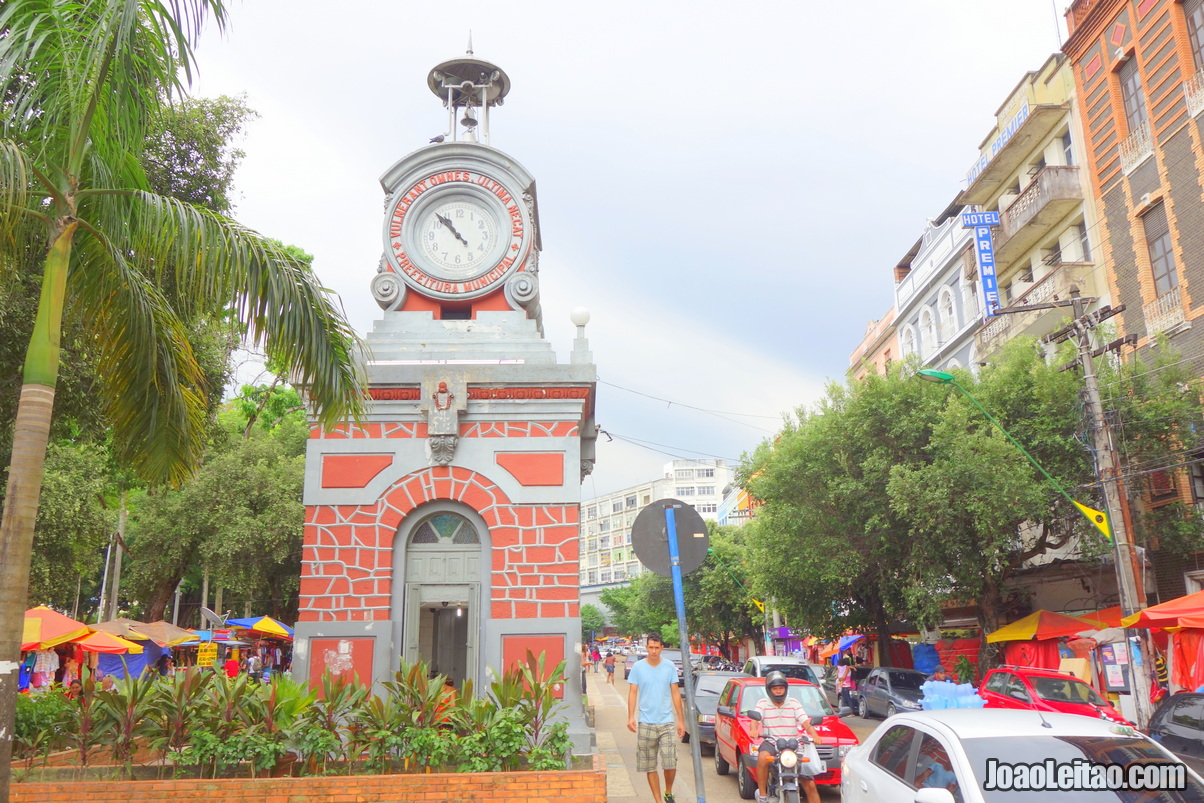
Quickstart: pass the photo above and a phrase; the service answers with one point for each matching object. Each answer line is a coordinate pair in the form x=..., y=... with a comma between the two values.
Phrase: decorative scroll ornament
x=522, y=289
x=443, y=447
x=587, y=468
x=387, y=288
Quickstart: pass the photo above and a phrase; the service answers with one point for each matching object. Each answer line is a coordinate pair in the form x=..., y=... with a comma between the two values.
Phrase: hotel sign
x=984, y=248
x=1005, y=135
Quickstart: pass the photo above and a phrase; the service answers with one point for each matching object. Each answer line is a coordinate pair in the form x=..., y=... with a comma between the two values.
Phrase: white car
x=968, y=755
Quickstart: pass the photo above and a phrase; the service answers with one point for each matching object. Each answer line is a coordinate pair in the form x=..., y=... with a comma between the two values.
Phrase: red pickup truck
x=734, y=747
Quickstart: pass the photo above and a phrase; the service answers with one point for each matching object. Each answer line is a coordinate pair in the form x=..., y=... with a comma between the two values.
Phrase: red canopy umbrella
x=1109, y=616
x=100, y=641
x=45, y=628
x=1168, y=614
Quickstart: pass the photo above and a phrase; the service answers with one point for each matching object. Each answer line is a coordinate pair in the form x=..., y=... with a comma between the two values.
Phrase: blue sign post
x=687, y=679
x=984, y=248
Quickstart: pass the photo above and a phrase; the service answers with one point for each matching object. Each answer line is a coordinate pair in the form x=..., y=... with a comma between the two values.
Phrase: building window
x=1162, y=484
x=684, y=490
x=629, y=502
x=1084, y=242
x=616, y=506
x=970, y=296
x=1067, y=149
x=1132, y=94
x=706, y=473
x=928, y=342
x=605, y=526
x=684, y=474
x=620, y=573
x=1193, y=10
x=604, y=542
x=1162, y=257
x=591, y=512
x=908, y=341
x=647, y=499
x=706, y=490
x=708, y=508
x=948, y=315
x=605, y=576
x=592, y=578
x=593, y=545
x=1196, y=470
x=593, y=559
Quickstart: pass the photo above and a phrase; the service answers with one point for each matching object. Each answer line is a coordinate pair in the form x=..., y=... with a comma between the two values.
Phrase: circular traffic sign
x=649, y=537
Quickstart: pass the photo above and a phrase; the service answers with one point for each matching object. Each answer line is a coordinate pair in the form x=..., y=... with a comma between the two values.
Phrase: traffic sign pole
x=679, y=600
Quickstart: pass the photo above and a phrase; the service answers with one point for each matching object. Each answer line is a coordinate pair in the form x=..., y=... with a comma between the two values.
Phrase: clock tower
x=444, y=526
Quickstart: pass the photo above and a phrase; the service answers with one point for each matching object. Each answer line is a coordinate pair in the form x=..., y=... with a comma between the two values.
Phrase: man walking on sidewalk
x=652, y=693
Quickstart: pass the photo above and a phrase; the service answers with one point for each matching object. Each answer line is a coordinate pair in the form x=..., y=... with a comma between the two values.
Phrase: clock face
x=456, y=234
x=458, y=237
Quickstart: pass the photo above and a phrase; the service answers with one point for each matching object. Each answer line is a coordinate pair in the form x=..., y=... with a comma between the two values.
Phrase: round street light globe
x=933, y=375
x=579, y=316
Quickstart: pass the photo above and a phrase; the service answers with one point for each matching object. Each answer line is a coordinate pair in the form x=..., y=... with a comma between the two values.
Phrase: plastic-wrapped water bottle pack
x=946, y=694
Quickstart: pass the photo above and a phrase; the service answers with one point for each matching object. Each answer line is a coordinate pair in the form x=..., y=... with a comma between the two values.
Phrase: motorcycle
x=788, y=764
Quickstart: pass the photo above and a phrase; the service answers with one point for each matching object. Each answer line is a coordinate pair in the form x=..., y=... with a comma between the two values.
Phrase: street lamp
x=1097, y=517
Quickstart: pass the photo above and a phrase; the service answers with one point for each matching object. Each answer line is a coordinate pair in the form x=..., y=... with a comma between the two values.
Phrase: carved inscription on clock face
x=456, y=233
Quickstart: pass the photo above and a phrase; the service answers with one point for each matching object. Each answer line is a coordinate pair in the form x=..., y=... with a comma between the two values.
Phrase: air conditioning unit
x=1145, y=200
x=1120, y=55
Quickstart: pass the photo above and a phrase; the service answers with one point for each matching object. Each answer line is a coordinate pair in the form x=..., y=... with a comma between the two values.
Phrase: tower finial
x=469, y=51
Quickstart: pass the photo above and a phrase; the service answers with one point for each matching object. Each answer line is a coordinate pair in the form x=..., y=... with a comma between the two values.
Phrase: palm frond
x=152, y=388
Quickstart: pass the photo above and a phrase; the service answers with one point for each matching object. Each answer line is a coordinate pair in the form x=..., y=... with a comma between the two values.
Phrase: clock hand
x=447, y=222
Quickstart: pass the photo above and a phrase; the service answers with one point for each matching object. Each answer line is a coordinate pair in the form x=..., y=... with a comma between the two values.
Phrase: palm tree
x=79, y=81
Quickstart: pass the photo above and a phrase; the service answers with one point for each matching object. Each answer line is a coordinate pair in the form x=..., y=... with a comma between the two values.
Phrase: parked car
x=1044, y=690
x=888, y=690
x=708, y=685
x=1178, y=725
x=941, y=756
x=630, y=662
x=761, y=665
x=734, y=746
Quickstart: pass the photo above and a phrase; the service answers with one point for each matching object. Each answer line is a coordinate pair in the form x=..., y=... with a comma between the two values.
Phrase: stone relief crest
x=443, y=401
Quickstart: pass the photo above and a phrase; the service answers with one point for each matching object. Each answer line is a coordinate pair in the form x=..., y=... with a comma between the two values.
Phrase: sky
x=727, y=187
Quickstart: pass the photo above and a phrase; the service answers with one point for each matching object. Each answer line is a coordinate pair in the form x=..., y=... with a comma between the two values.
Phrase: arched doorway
x=441, y=606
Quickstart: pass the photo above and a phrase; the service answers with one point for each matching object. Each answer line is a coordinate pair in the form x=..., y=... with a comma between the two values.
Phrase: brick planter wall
x=567, y=786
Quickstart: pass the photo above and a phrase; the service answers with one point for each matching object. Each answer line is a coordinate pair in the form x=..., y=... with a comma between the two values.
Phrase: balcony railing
x=1164, y=313
x=1055, y=283
x=1052, y=193
x=1135, y=149
x=1193, y=93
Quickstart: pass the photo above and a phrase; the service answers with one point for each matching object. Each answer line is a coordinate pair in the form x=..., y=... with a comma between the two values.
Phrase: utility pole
x=1129, y=576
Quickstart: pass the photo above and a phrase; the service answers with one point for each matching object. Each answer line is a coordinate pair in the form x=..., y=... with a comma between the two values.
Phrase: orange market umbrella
x=45, y=628
x=1169, y=613
x=1043, y=625
x=1109, y=616
x=101, y=641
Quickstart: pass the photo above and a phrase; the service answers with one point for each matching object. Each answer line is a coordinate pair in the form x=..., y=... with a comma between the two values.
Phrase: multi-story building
x=1029, y=173
x=607, y=557
x=938, y=297
x=1139, y=76
x=877, y=349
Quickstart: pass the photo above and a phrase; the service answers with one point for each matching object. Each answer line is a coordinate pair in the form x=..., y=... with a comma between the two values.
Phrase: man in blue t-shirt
x=652, y=689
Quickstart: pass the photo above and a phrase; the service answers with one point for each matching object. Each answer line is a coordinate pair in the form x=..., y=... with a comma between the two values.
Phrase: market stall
x=1034, y=640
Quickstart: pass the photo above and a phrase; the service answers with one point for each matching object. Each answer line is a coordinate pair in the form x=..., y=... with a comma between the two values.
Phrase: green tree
x=241, y=515
x=826, y=542
x=592, y=622
x=980, y=512
x=79, y=83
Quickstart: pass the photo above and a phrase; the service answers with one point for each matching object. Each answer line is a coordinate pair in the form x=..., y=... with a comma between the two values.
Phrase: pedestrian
x=940, y=674
x=652, y=695
x=610, y=667
x=231, y=667
x=844, y=681
x=584, y=664
x=595, y=656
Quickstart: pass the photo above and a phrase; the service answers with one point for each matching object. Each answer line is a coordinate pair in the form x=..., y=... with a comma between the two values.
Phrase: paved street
x=617, y=744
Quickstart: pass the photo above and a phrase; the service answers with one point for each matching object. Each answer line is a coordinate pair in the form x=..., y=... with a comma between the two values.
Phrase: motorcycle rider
x=782, y=717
